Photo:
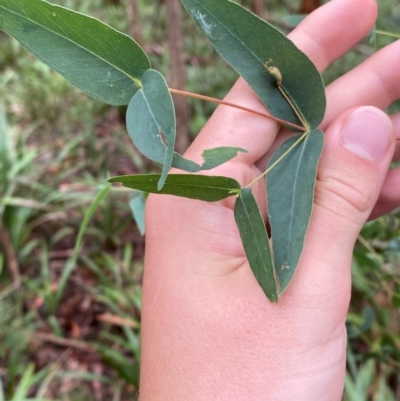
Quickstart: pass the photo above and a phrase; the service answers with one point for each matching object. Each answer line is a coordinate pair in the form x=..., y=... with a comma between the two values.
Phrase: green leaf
x=255, y=242
x=138, y=205
x=102, y=62
x=293, y=19
x=290, y=192
x=247, y=42
x=206, y=188
x=125, y=369
x=150, y=120
x=212, y=158
x=217, y=156
x=71, y=262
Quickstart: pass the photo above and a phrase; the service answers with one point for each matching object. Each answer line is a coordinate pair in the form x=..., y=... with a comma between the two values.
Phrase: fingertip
x=358, y=150
x=331, y=30
x=368, y=132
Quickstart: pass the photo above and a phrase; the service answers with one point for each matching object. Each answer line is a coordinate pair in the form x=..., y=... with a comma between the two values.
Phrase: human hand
x=208, y=331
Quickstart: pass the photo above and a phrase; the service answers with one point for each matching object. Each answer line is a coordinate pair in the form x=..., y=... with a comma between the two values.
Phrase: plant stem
x=394, y=35
x=236, y=106
x=278, y=160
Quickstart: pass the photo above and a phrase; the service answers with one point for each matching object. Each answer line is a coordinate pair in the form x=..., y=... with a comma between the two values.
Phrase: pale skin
x=208, y=331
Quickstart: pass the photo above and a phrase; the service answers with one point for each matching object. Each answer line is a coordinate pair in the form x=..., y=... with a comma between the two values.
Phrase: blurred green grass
x=57, y=148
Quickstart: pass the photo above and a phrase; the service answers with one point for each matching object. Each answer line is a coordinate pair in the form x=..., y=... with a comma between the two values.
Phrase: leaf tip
x=161, y=181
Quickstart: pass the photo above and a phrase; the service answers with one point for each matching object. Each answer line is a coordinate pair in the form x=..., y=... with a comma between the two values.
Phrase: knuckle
x=345, y=194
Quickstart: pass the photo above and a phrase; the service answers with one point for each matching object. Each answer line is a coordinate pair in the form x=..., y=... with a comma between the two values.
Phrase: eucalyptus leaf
x=294, y=19
x=150, y=120
x=212, y=158
x=138, y=205
x=217, y=156
x=247, y=42
x=202, y=187
x=102, y=62
x=151, y=124
x=255, y=242
x=290, y=192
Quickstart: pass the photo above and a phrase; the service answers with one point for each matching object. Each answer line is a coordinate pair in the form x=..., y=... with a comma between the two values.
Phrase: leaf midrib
x=220, y=23
x=198, y=186
x=257, y=242
x=181, y=185
x=294, y=192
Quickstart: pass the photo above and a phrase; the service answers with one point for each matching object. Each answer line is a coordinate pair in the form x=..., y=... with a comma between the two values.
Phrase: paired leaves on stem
x=151, y=123
x=113, y=68
x=247, y=43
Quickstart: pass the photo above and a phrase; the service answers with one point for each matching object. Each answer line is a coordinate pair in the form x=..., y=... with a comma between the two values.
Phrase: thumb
x=358, y=150
x=359, y=146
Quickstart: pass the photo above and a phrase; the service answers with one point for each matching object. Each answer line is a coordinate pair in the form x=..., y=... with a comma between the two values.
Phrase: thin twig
x=393, y=35
x=236, y=106
x=278, y=160
x=12, y=260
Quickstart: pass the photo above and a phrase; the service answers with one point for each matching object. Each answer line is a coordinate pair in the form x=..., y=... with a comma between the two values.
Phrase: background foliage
x=70, y=303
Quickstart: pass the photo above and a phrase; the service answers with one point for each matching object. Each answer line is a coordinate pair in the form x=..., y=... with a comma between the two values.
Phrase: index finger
x=324, y=40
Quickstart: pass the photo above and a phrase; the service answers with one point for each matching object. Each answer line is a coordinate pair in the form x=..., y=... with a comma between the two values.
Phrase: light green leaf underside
x=255, y=242
x=247, y=42
x=150, y=120
x=102, y=62
x=206, y=188
x=138, y=205
x=294, y=19
x=212, y=158
x=290, y=192
x=151, y=124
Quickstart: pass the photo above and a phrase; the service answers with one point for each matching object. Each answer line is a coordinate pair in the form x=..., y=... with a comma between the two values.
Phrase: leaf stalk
x=236, y=106
x=278, y=160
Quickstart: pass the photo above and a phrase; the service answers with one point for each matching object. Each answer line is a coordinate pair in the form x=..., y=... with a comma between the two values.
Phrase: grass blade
x=72, y=260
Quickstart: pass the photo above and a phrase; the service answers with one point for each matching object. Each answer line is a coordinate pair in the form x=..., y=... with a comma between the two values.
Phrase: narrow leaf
x=255, y=242
x=212, y=158
x=150, y=120
x=102, y=62
x=138, y=206
x=294, y=19
x=290, y=192
x=206, y=188
x=247, y=42
x=217, y=156
x=71, y=263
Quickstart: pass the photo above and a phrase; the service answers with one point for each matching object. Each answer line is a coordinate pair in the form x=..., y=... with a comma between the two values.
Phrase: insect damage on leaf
x=274, y=71
x=163, y=137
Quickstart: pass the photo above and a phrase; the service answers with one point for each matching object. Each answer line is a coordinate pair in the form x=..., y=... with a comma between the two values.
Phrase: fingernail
x=368, y=133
